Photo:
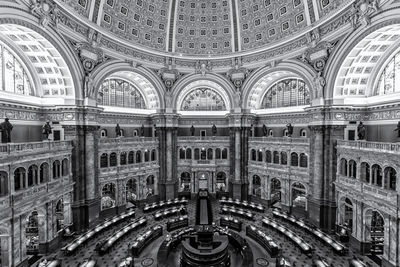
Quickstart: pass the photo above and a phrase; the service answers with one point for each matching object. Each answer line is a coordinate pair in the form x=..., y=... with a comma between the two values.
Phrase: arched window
x=188, y=153
x=283, y=158
x=343, y=167
x=285, y=133
x=135, y=132
x=108, y=196
x=390, y=178
x=203, y=153
x=256, y=185
x=218, y=153
x=122, y=160
x=182, y=153
x=352, y=169
x=153, y=155
x=146, y=155
x=113, y=159
x=209, y=154
x=65, y=167
x=56, y=169
x=224, y=153
x=13, y=74
x=294, y=159
x=120, y=93
x=303, y=133
x=268, y=156
x=260, y=155
x=44, y=172
x=287, y=93
x=33, y=175
x=104, y=160
x=390, y=78
x=303, y=160
x=138, y=156
x=19, y=179
x=3, y=183
x=196, y=154
x=131, y=157
x=276, y=157
x=203, y=99
x=253, y=155
x=103, y=133
x=185, y=182
x=271, y=133
x=365, y=172
x=376, y=175
x=221, y=181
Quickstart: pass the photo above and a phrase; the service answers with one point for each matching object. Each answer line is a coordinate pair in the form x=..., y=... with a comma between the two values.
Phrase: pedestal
x=359, y=247
x=322, y=214
x=169, y=190
x=237, y=190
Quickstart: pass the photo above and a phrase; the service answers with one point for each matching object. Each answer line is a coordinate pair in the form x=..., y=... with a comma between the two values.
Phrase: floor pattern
x=149, y=255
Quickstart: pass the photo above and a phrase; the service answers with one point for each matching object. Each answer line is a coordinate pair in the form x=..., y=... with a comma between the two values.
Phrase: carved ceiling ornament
x=203, y=66
x=169, y=74
x=46, y=10
x=237, y=74
x=362, y=11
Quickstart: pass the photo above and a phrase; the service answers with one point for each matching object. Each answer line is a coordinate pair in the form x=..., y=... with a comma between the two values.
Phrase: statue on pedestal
x=142, y=130
x=6, y=128
x=398, y=129
x=117, y=130
x=214, y=130
x=192, y=130
x=46, y=130
x=289, y=128
x=265, y=131
x=361, y=131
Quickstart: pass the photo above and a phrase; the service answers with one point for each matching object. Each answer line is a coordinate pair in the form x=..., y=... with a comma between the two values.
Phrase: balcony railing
x=202, y=138
x=123, y=140
x=280, y=140
x=34, y=146
x=366, y=145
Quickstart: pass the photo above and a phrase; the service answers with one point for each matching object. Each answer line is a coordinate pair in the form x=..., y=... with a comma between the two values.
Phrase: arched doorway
x=348, y=215
x=131, y=191
x=276, y=196
x=221, y=182
x=299, y=197
x=60, y=214
x=375, y=231
x=32, y=233
x=5, y=247
x=185, y=185
x=149, y=189
x=108, y=196
x=256, y=182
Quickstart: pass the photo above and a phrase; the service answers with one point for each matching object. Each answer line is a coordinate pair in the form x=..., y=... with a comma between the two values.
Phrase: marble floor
x=149, y=255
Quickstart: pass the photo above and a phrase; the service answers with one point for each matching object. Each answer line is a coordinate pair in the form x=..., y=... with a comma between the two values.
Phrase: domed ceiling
x=206, y=27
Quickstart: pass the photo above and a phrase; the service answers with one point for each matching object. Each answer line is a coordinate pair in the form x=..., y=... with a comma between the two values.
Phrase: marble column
x=237, y=182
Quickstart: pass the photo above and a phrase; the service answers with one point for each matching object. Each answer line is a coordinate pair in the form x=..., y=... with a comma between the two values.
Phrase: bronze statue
x=398, y=129
x=6, y=128
x=289, y=128
x=117, y=130
x=214, y=130
x=361, y=131
x=265, y=130
x=142, y=130
x=46, y=130
x=192, y=130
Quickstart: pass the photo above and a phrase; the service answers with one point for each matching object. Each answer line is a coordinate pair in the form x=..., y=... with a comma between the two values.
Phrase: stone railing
x=199, y=139
x=46, y=146
x=279, y=140
x=366, y=145
x=131, y=167
x=367, y=189
x=38, y=190
x=124, y=140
